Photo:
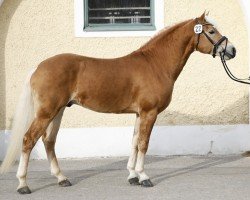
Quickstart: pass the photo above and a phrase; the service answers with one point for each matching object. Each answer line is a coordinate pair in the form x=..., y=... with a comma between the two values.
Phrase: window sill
x=119, y=28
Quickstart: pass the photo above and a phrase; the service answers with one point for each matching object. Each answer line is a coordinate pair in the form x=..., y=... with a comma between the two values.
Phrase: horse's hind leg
x=49, y=140
x=133, y=177
x=35, y=131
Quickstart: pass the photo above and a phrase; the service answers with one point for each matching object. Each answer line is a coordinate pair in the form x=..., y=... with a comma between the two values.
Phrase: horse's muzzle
x=230, y=52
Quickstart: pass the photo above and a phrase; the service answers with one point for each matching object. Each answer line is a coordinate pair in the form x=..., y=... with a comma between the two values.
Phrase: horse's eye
x=212, y=32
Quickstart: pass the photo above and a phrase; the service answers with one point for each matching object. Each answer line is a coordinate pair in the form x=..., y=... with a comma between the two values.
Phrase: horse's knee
x=143, y=146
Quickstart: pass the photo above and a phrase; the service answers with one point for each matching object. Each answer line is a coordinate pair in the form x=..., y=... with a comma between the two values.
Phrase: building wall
x=31, y=31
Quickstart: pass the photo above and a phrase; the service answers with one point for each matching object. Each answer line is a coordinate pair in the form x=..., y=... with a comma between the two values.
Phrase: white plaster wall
x=222, y=102
x=165, y=140
x=34, y=30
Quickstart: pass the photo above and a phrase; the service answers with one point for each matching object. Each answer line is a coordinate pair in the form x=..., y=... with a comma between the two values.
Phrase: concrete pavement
x=189, y=177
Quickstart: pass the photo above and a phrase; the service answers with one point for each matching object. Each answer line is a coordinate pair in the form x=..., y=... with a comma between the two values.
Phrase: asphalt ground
x=174, y=177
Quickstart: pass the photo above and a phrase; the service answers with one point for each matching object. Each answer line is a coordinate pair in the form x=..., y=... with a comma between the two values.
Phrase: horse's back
x=104, y=85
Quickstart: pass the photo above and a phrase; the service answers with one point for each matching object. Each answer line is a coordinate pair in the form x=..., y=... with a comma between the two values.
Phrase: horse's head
x=210, y=41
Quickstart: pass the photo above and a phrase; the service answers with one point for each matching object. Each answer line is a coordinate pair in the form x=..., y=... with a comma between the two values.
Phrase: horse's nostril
x=234, y=51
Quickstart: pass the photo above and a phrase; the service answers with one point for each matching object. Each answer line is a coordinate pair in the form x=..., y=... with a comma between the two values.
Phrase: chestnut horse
x=141, y=83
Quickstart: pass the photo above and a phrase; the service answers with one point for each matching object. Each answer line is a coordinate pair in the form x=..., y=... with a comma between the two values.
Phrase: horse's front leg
x=133, y=177
x=147, y=120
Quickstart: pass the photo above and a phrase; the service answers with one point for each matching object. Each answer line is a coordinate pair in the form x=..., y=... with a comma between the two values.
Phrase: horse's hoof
x=134, y=181
x=246, y=154
x=24, y=190
x=147, y=183
x=64, y=183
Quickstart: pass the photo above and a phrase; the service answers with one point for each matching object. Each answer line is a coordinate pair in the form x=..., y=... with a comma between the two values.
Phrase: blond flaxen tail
x=21, y=122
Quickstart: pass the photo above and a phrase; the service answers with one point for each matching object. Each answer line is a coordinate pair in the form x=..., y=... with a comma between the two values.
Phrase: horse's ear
x=202, y=17
x=207, y=13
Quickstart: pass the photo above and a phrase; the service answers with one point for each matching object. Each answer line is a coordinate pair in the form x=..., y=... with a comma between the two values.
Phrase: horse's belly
x=107, y=106
x=106, y=101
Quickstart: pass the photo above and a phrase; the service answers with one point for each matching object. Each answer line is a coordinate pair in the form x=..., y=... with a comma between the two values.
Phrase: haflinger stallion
x=141, y=83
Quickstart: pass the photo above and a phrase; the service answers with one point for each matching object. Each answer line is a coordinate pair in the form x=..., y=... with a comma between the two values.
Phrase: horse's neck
x=171, y=52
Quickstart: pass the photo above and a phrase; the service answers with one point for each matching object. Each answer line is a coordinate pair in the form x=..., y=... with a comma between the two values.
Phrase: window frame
x=119, y=27
x=80, y=22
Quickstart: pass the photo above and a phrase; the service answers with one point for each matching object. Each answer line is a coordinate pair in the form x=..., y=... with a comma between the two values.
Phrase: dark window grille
x=119, y=14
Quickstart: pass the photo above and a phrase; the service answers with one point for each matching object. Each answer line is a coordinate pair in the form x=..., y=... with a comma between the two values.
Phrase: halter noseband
x=222, y=54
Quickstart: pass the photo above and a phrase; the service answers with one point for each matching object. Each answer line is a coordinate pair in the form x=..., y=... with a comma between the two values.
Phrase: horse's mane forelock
x=211, y=21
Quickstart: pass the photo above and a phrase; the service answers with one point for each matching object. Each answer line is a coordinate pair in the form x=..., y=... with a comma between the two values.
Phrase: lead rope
x=229, y=73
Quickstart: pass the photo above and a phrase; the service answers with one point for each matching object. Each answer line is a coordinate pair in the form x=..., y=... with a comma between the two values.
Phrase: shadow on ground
x=77, y=176
x=210, y=162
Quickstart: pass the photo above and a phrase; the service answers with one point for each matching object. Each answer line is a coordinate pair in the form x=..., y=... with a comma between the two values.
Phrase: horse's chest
x=164, y=104
x=164, y=100
x=159, y=97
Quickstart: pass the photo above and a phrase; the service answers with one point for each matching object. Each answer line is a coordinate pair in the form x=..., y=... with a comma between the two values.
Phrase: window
x=119, y=15
x=108, y=18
